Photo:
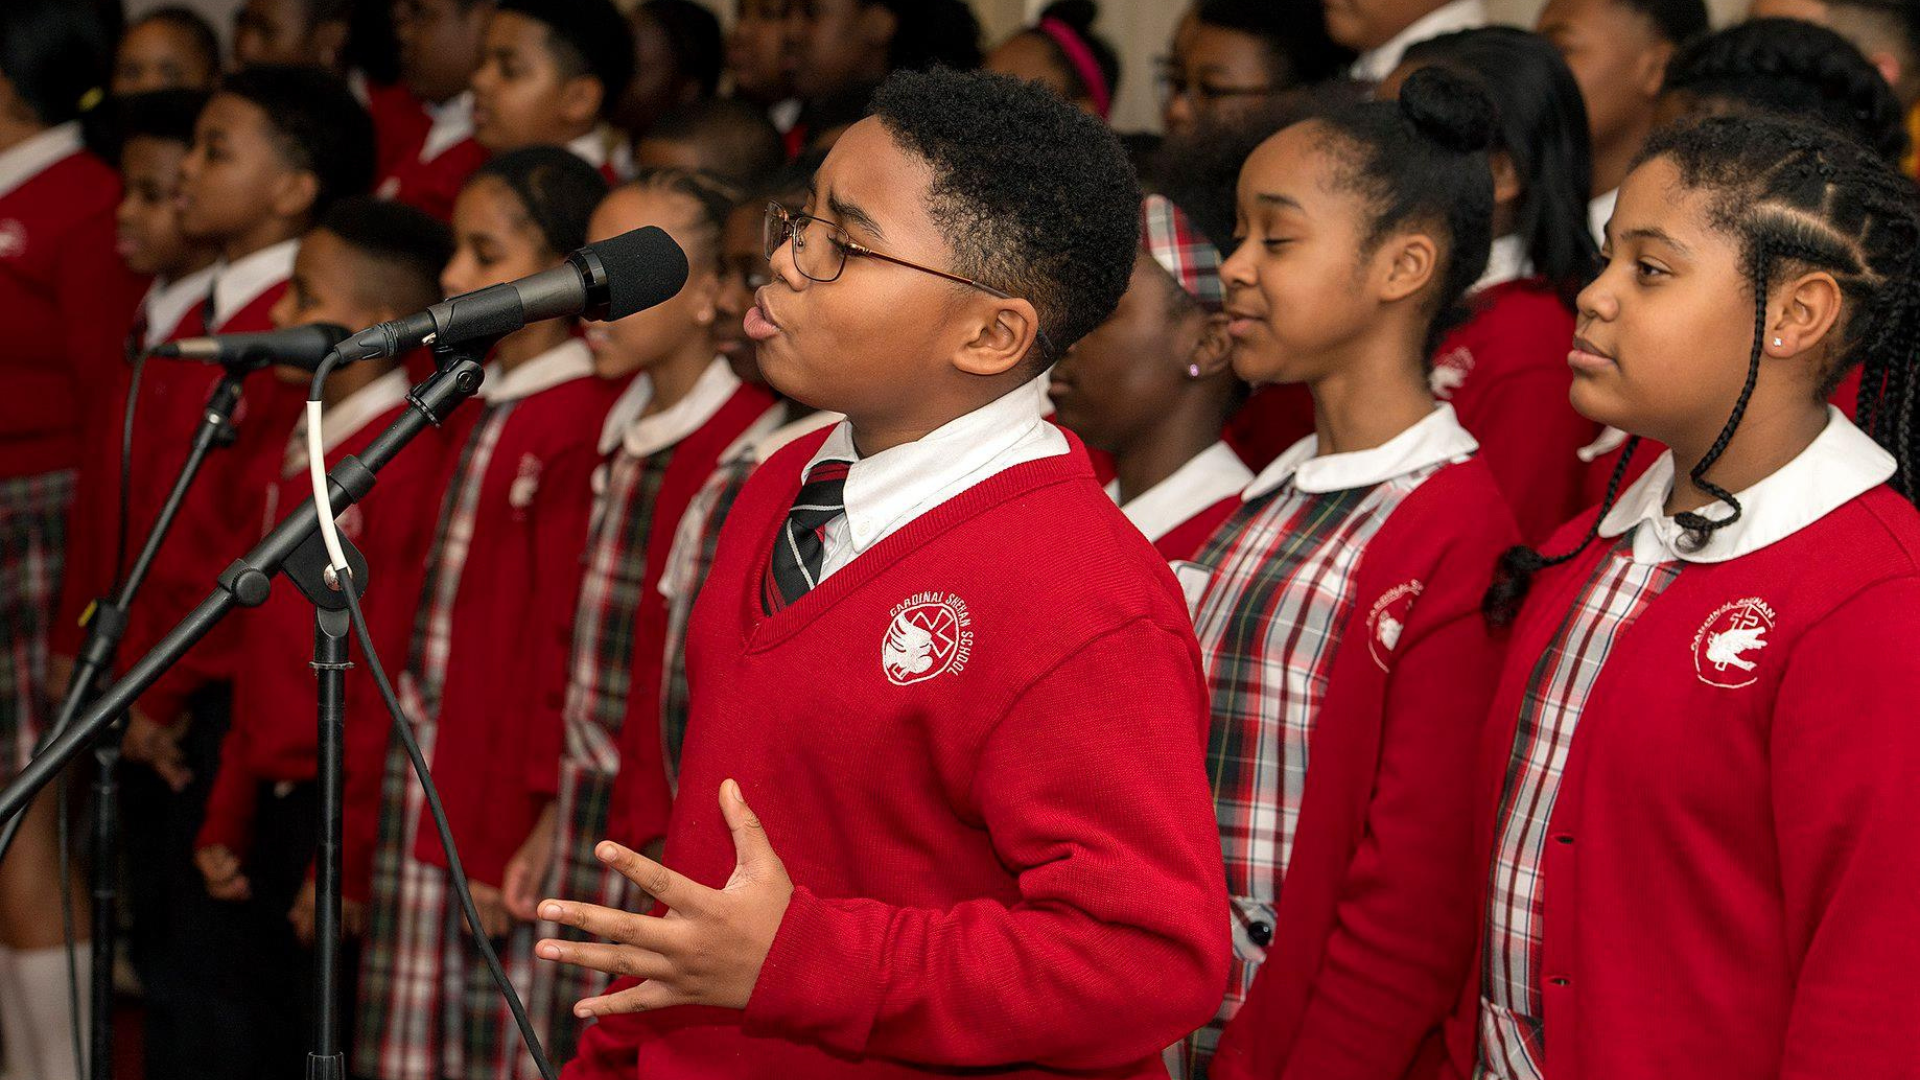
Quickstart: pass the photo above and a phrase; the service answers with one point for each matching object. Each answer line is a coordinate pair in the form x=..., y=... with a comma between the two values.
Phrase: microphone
x=296, y=346
x=605, y=281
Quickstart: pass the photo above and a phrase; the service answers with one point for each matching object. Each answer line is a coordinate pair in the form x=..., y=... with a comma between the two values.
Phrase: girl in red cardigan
x=1153, y=387
x=660, y=444
x=504, y=553
x=53, y=60
x=1695, y=831
x=1338, y=609
x=1505, y=370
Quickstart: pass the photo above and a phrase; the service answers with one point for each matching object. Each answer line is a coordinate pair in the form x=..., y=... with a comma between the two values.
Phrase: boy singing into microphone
x=959, y=688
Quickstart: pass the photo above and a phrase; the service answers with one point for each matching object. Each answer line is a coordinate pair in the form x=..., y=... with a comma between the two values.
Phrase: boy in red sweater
x=428, y=157
x=367, y=262
x=960, y=687
x=550, y=70
x=1694, y=828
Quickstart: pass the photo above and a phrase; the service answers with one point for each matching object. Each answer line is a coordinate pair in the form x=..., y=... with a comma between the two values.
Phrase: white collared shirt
x=1839, y=465
x=1213, y=474
x=565, y=362
x=166, y=303
x=626, y=426
x=239, y=283
x=1599, y=212
x=1375, y=65
x=1435, y=440
x=452, y=124
x=771, y=443
x=34, y=155
x=890, y=489
x=344, y=418
x=1506, y=261
x=604, y=148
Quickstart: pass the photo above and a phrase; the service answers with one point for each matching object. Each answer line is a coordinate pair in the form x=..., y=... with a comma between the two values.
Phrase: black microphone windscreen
x=644, y=267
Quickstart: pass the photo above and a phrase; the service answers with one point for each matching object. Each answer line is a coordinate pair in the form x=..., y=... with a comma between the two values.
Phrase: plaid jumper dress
x=33, y=535
x=1512, y=1037
x=1281, y=588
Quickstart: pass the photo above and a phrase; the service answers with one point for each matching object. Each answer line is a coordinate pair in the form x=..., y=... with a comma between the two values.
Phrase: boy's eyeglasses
x=1175, y=84
x=821, y=249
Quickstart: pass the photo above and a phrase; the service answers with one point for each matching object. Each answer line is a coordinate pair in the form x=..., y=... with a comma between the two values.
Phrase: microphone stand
x=106, y=626
x=246, y=584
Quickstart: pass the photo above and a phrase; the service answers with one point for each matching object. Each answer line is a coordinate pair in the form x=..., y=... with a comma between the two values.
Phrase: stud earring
x=1193, y=371
x=1777, y=343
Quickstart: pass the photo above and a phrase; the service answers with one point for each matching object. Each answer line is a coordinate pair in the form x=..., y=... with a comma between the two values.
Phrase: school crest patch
x=1727, y=647
x=13, y=239
x=526, y=483
x=1388, y=620
x=928, y=634
x=1450, y=371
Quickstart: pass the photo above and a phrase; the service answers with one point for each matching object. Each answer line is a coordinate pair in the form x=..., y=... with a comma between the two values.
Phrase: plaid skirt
x=585, y=795
x=428, y=1008
x=33, y=544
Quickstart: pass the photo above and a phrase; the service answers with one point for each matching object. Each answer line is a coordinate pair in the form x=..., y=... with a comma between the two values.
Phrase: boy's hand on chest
x=706, y=950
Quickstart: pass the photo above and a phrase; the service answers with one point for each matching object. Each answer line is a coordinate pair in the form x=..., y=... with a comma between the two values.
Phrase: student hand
x=492, y=906
x=527, y=871
x=353, y=915
x=707, y=949
x=158, y=747
x=221, y=867
x=302, y=914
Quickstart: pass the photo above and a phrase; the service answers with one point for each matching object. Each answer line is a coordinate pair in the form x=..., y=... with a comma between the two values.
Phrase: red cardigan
x=273, y=736
x=1375, y=925
x=218, y=522
x=59, y=280
x=642, y=792
x=1505, y=371
x=523, y=566
x=1734, y=885
x=433, y=185
x=1184, y=541
x=1001, y=837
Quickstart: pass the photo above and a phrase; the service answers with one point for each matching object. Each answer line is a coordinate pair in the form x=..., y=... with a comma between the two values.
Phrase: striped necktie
x=800, y=548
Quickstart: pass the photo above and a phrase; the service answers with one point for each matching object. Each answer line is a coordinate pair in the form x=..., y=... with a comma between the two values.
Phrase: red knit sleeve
x=232, y=796
x=1845, y=751
x=1117, y=945
x=1404, y=929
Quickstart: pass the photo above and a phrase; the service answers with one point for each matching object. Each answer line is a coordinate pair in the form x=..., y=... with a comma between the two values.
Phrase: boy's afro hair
x=1033, y=195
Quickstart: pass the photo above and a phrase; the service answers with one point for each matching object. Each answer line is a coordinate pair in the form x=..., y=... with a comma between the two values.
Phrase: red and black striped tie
x=800, y=547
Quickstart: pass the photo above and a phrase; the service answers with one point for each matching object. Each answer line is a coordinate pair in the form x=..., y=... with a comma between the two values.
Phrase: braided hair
x=1797, y=200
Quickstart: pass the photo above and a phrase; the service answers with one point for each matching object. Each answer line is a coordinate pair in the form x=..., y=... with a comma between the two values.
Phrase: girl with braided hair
x=1695, y=826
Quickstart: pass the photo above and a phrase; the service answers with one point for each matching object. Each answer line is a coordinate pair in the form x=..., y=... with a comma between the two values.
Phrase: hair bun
x=1078, y=15
x=1448, y=108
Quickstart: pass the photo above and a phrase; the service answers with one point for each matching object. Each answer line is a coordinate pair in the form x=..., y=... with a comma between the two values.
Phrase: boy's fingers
x=654, y=879
x=751, y=849
x=622, y=927
x=614, y=960
x=646, y=997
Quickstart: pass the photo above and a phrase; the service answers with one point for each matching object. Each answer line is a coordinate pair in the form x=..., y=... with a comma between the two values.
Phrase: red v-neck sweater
x=977, y=748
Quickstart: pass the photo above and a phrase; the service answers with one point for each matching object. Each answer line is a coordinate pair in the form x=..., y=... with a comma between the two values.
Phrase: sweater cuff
x=818, y=984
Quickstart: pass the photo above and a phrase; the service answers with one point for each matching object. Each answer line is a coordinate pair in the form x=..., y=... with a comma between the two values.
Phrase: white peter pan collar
x=1213, y=474
x=344, y=419
x=1839, y=465
x=565, y=362
x=1438, y=439
x=642, y=435
x=167, y=303
x=34, y=155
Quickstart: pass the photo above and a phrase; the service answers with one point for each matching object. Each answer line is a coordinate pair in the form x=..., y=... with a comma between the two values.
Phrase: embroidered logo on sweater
x=1450, y=371
x=526, y=483
x=928, y=634
x=1724, y=648
x=1388, y=620
x=13, y=239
